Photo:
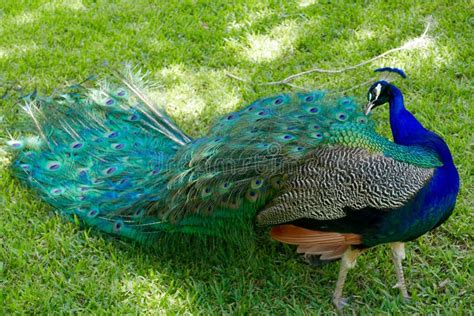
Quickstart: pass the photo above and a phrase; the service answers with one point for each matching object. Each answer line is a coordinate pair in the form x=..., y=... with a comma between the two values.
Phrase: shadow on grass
x=212, y=275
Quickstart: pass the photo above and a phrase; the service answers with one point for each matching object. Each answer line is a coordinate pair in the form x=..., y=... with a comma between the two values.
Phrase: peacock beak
x=368, y=107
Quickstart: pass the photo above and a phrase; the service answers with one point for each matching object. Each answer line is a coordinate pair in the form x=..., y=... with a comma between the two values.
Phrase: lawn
x=49, y=265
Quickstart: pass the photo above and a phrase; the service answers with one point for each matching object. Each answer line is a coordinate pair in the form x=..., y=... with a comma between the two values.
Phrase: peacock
x=310, y=165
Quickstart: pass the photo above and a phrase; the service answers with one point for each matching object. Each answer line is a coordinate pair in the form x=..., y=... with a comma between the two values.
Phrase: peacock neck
x=406, y=130
x=405, y=127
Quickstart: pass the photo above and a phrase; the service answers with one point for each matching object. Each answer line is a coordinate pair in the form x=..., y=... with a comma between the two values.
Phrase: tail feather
x=166, y=125
x=326, y=245
x=100, y=154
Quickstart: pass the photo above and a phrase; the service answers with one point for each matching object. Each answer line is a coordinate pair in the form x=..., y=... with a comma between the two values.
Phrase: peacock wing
x=358, y=169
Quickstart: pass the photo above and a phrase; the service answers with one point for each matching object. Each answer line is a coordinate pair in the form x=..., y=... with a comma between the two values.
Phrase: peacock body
x=308, y=164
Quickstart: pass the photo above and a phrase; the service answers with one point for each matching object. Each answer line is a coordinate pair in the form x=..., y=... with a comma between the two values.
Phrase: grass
x=48, y=265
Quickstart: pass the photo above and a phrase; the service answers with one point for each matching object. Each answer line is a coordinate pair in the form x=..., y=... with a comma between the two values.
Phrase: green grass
x=49, y=265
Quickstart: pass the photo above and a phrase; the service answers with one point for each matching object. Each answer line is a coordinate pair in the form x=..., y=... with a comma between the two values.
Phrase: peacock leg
x=348, y=262
x=398, y=254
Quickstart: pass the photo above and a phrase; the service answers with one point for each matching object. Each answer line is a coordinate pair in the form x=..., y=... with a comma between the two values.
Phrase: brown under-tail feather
x=328, y=245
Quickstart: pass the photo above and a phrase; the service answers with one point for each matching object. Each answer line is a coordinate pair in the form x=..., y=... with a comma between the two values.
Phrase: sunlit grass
x=48, y=265
x=268, y=47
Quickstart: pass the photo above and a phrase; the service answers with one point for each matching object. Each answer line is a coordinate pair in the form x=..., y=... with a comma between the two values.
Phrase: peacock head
x=378, y=94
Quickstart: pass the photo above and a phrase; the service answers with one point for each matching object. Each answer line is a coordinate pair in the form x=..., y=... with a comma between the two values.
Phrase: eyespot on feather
x=341, y=116
x=57, y=191
x=314, y=127
x=109, y=102
x=112, y=134
x=317, y=135
x=257, y=183
x=76, y=146
x=206, y=192
x=121, y=93
x=118, y=146
x=312, y=109
x=286, y=137
x=53, y=166
x=138, y=213
x=16, y=144
x=252, y=196
x=361, y=120
x=276, y=182
x=93, y=213
x=225, y=187
x=118, y=225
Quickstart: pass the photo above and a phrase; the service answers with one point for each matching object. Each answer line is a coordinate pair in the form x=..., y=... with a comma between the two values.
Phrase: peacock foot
x=340, y=303
x=403, y=291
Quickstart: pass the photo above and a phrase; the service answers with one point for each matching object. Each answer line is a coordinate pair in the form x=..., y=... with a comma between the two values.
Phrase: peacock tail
x=110, y=158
